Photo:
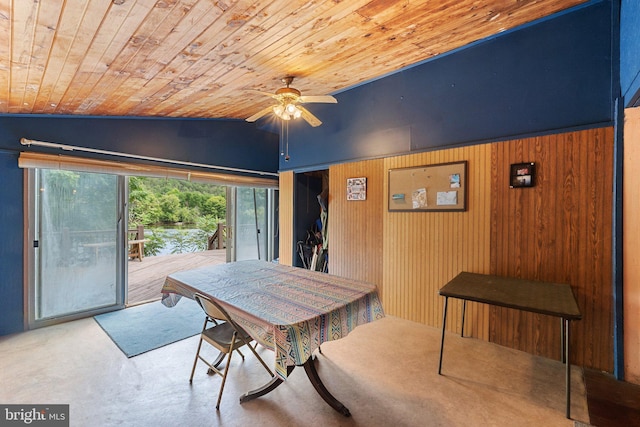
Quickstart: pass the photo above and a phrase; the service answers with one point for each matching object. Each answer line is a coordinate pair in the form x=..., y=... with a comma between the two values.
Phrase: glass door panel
x=76, y=237
x=251, y=213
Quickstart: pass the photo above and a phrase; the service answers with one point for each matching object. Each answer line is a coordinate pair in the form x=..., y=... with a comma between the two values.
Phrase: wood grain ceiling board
x=199, y=58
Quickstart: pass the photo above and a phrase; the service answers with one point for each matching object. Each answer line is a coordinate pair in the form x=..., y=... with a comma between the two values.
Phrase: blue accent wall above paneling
x=548, y=76
x=228, y=143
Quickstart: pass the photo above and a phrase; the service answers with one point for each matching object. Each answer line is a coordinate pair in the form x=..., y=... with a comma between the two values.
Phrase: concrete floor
x=385, y=372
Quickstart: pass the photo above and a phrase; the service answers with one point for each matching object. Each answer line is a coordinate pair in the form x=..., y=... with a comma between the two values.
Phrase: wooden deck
x=146, y=277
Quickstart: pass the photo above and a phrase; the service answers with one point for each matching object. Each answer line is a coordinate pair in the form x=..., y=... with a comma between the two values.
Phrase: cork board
x=430, y=188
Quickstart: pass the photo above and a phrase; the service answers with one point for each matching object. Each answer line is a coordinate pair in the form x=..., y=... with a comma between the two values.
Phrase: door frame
x=30, y=272
x=270, y=250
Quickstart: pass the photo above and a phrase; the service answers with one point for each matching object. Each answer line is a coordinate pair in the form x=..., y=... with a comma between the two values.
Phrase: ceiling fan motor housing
x=288, y=91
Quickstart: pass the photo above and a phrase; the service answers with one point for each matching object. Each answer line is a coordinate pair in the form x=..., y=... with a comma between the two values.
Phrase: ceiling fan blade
x=327, y=99
x=310, y=118
x=259, y=114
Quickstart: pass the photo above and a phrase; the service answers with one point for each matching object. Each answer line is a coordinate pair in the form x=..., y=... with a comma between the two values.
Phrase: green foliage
x=154, y=202
x=169, y=208
x=186, y=215
x=155, y=241
x=189, y=241
x=144, y=208
x=193, y=199
x=182, y=241
x=208, y=223
x=215, y=206
x=164, y=186
x=207, y=226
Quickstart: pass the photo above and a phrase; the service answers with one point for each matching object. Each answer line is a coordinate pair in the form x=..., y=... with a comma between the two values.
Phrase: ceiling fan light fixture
x=291, y=109
x=287, y=107
x=287, y=111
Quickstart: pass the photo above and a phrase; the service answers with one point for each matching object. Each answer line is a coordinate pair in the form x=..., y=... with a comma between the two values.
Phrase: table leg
x=215, y=364
x=567, y=328
x=310, y=369
x=313, y=376
x=268, y=387
x=563, y=353
x=464, y=308
x=444, y=322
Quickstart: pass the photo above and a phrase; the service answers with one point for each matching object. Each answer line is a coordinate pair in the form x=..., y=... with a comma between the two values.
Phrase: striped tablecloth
x=287, y=309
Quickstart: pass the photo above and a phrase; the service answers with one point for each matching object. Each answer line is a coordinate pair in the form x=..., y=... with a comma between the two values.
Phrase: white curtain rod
x=29, y=142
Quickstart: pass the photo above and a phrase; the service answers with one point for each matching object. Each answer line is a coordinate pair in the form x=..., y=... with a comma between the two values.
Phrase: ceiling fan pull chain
x=282, y=138
x=286, y=157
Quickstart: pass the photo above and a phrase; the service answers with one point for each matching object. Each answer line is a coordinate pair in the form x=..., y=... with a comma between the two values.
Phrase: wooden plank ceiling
x=198, y=58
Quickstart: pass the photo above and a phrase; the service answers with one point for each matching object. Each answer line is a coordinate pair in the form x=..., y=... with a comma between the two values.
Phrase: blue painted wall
x=216, y=142
x=548, y=76
x=630, y=52
x=11, y=290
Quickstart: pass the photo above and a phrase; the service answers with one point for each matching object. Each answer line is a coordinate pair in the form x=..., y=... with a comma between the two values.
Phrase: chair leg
x=240, y=353
x=255, y=353
x=195, y=362
x=226, y=371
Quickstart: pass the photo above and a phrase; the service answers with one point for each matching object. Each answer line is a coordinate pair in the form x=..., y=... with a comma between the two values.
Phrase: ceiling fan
x=288, y=104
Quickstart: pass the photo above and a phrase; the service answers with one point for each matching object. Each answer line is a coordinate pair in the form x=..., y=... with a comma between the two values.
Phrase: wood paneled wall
x=559, y=230
x=285, y=203
x=631, y=233
x=356, y=227
x=424, y=250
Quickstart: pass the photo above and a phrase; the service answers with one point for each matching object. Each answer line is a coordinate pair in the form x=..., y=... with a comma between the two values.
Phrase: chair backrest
x=212, y=308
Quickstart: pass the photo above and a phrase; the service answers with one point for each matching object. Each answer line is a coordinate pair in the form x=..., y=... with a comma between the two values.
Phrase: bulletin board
x=430, y=188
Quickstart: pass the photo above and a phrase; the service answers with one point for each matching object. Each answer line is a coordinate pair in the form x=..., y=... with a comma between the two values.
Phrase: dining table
x=289, y=310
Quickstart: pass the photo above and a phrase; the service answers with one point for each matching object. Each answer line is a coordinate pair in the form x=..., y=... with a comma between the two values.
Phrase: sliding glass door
x=76, y=234
x=252, y=219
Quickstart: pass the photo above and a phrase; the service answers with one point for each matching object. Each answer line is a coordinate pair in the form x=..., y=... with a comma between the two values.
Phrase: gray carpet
x=136, y=330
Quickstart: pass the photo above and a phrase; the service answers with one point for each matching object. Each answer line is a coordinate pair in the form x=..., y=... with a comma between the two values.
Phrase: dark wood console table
x=552, y=299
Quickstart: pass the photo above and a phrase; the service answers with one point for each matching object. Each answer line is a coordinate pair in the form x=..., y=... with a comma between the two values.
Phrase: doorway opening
x=185, y=225
x=311, y=210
